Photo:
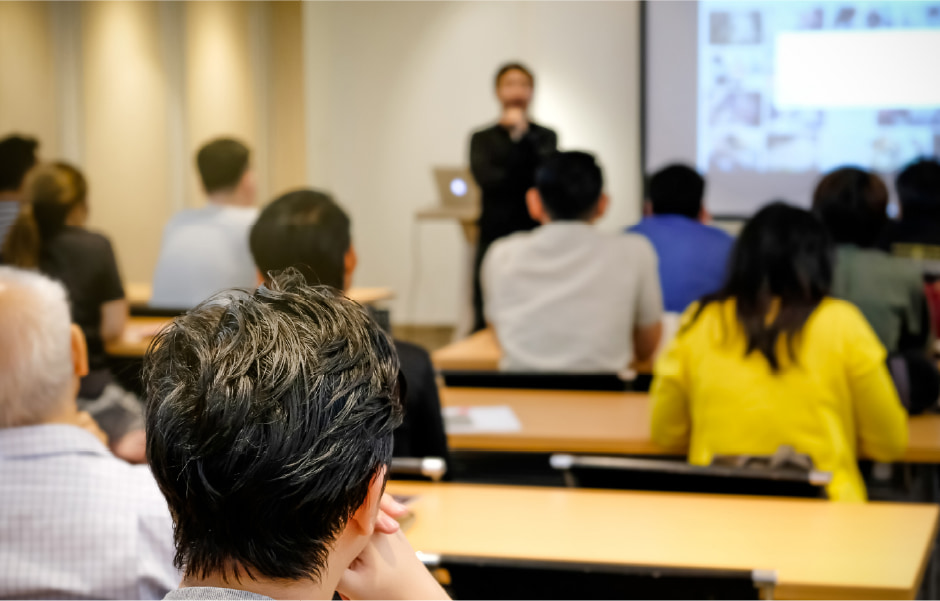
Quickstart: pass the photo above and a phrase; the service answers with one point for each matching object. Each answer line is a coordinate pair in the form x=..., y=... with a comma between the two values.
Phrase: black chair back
x=535, y=380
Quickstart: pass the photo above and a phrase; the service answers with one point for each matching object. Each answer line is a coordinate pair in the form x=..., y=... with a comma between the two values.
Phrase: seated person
x=307, y=230
x=17, y=157
x=888, y=290
x=269, y=430
x=917, y=234
x=50, y=234
x=772, y=360
x=567, y=297
x=692, y=256
x=75, y=521
x=205, y=250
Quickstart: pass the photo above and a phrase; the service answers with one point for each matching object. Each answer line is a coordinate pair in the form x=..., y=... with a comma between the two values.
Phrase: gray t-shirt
x=566, y=297
x=213, y=593
x=204, y=251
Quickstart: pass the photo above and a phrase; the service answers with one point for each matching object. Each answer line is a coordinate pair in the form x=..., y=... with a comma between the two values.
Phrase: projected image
x=803, y=87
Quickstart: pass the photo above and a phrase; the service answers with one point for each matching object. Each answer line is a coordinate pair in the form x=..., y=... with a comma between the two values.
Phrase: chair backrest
x=678, y=476
x=148, y=311
x=534, y=380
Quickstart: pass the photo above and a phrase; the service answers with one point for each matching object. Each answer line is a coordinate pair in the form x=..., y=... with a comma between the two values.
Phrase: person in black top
x=49, y=235
x=917, y=234
x=503, y=159
x=307, y=230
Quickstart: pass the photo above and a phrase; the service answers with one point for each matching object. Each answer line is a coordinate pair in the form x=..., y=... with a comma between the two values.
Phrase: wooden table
x=140, y=330
x=138, y=294
x=818, y=549
x=480, y=352
x=558, y=421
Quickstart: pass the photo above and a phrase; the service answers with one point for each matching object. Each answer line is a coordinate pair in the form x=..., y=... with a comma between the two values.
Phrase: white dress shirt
x=567, y=296
x=76, y=522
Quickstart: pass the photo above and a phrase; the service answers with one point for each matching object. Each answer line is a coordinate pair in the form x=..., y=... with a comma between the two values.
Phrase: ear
x=363, y=519
x=704, y=216
x=260, y=277
x=647, y=209
x=350, y=260
x=602, y=204
x=533, y=201
x=79, y=352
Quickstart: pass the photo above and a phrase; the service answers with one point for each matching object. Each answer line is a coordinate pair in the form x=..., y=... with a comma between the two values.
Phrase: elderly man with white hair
x=75, y=521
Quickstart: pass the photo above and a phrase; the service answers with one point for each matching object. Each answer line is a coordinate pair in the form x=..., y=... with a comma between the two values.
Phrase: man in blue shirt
x=692, y=255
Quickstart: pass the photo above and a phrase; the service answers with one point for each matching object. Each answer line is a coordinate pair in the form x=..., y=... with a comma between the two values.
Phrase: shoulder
x=86, y=240
x=510, y=244
x=411, y=353
x=484, y=132
x=634, y=243
x=839, y=313
x=541, y=129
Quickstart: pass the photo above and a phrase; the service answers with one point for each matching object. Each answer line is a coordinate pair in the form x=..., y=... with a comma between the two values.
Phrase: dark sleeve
x=108, y=281
x=489, y=155
x=423, y=403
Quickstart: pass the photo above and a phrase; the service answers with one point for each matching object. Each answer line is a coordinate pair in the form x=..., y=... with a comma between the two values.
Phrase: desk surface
x=139, y=293
x=480, y=352
x=558, y=421
x=817, y=548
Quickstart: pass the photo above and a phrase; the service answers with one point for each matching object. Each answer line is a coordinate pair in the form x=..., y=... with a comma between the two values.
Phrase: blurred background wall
x=361, y=98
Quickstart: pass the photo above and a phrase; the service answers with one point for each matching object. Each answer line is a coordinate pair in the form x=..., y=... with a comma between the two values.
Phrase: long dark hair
x=779, y=272
x=52, y=192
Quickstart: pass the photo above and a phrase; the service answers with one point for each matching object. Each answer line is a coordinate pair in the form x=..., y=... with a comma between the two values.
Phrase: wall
x=396, y=88
x=129, y=90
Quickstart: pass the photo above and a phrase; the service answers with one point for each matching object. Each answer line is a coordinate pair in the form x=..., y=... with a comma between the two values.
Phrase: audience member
x=50, y=235
x=269, y=430
x=772, y=360
x=503, y=159
x=75, y=522
x=567, y=297
x=17, y=157
x=307, y=230
x=917, y=234
x=888, y=290
x=205, y=250
x=692, y=256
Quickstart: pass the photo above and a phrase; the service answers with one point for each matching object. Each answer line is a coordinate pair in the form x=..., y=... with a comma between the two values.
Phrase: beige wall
x=130, y=90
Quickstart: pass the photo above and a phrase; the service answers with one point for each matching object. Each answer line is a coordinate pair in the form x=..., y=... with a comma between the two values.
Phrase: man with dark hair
x=692, y=255
x=503, y=159
x=17, y=157
x=206, y=250
x=269, y=431
x=308, y=231
x=917, y=234
x=567, y=297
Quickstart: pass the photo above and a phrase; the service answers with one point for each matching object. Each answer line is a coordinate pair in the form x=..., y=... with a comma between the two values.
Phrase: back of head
x=304, y=229
x=676, y=190
x=570, y=185
x=222, y=163
x=781, y=266
x=268, y=415
x=852, y=203
x=17, y=157
x=51, y=192
x=35, y=347
x=918, y=187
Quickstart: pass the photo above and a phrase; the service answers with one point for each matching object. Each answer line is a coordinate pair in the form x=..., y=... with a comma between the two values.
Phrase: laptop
x=456, y=187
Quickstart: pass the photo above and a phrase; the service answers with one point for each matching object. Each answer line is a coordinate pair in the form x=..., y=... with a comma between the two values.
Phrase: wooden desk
x=480, y=352
x=138, y=294
x=818, y=549
x=558, y=421
x=465, y=215
x=138, y=333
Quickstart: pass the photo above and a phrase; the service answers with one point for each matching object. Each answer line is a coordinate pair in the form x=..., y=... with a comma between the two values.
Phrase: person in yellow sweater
x=773, y=360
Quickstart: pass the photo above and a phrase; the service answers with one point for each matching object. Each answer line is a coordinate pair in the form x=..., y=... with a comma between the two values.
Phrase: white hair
x=35, y=347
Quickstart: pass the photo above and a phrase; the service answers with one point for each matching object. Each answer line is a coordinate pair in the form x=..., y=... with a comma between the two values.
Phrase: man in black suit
x=307, y=230
x=503, y=159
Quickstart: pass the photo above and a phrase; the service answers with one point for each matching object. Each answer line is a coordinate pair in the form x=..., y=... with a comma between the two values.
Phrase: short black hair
x=268, y=416
x=852, y=203
x=570, y=184
x=918, y=187
x=222, y=163
x=506, y=68
x=17, y=157
x=306, y=230
x=676, y=190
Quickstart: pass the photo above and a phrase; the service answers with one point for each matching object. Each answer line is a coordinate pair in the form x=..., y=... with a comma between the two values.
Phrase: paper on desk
x=480, y=420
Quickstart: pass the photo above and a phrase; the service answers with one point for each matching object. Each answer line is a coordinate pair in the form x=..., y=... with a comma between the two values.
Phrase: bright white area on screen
x=845, y=69
x=458, y=187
